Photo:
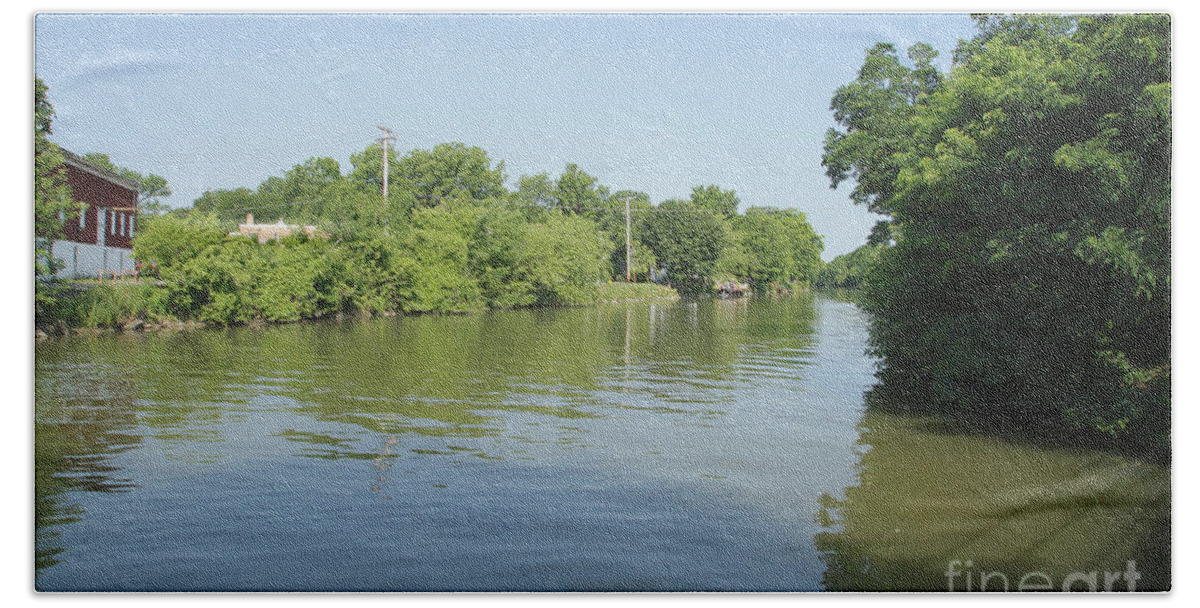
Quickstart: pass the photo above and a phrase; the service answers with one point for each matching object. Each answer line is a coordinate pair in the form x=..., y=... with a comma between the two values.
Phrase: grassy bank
x=91, y=305
x=87, y=305
x=634, y=292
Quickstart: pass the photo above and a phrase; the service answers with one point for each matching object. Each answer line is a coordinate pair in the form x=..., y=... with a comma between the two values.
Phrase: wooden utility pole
x=628, y=243
x=387, y=136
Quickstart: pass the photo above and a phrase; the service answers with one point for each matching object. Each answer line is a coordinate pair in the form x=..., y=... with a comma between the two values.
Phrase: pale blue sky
x=657, y=103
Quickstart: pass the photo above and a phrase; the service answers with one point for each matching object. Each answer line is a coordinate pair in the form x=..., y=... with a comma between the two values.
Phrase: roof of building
x=78, y=162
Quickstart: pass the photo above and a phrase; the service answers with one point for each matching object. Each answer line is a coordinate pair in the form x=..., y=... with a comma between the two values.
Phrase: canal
x=691, y=445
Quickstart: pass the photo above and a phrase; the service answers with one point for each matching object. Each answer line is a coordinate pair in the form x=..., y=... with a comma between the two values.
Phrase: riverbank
x=89, y=308
x=634, y=292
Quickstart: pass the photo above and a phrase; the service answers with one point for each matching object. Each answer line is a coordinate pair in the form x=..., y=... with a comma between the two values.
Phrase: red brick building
x=101, y=238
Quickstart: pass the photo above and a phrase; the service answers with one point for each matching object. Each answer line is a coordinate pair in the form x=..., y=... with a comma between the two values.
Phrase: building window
x=112, y=223
x=122, y=224
x=83, y=218
x=62, y=215
x=131, y=227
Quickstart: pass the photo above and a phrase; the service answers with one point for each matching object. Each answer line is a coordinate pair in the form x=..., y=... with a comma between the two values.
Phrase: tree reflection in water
x=926, y=497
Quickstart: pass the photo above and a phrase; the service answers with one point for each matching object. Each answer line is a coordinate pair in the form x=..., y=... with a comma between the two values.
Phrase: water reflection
x=536, y=386
x=926, y=497
x=690, y=445
x=83, y=417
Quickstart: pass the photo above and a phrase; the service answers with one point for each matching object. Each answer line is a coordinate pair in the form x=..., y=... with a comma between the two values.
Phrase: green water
x=704, y=445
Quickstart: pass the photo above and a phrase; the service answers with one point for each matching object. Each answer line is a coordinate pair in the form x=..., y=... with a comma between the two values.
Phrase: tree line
x=1026, y=283
x=451, y=237
x=695, y=239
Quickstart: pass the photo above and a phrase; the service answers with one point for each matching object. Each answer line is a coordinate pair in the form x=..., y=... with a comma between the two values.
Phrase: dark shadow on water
x=999, y=424
x=932, y=491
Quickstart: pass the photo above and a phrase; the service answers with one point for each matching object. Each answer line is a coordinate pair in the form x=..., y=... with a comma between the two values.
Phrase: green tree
x=349, y=210
x=577, y=192
x=714, y=199
x=169, y=240
x=306, y=187
x=229, y=206
x=687, y=241
x=1029, y=191
x=437, y=275
x=536, y=190
x=881, y=233
x=367, y=177
x=496, y=246
x=611, y=219
x=779, y=246
x=850, y=270
x=563, y=260
x=152, y=188
x=877, y=113
x=52, y=201
x=450, y=171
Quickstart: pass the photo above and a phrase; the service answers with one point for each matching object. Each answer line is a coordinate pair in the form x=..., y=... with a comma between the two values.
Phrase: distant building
x=101, y=238
x=266, y=232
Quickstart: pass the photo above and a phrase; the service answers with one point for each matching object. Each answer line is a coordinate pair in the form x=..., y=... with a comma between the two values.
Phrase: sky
x=653, y=102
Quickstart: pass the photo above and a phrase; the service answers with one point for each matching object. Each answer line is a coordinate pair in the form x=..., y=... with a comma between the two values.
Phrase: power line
x=564, y=207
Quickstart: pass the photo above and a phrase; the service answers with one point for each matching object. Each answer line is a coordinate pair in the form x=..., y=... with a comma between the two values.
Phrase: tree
x=169, y=240
x=881, y=233
x=307, y=188
x=779, y=244
x=876, y=111
x=714, y=199
x=151, y=188
x=563, y=260
x=496, y=246
x=687, y=241
x=450, y=171
x=437, y=277
x=611, y=219
x=367, y=177
x=536, y=190
x=850, y=270
x=52, y=202
x=577, y=192
x=1029, y=195
x=229, y=206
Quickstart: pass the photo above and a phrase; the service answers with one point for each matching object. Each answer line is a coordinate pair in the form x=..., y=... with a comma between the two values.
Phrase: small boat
x=730, y=289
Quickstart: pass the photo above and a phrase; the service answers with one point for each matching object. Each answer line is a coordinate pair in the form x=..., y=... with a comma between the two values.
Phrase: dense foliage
x=1029, y=187
x=450, y=237
x=772, y=246
x=850, y=270
x=52, y=202
x=456, y=242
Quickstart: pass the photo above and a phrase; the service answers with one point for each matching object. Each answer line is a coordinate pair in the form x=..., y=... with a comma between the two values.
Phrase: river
x=717, y=445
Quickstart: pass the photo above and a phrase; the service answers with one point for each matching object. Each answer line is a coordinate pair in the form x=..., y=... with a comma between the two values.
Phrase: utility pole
x=387, y=136
x=628, y=243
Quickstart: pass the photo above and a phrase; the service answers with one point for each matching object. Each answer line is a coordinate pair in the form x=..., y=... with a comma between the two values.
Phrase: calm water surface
x=707, y=445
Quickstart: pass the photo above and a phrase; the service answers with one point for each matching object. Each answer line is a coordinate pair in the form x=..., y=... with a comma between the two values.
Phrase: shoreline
x=45, y=332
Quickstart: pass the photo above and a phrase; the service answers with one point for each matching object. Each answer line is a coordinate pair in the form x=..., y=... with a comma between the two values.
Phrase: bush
x=563, y=260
